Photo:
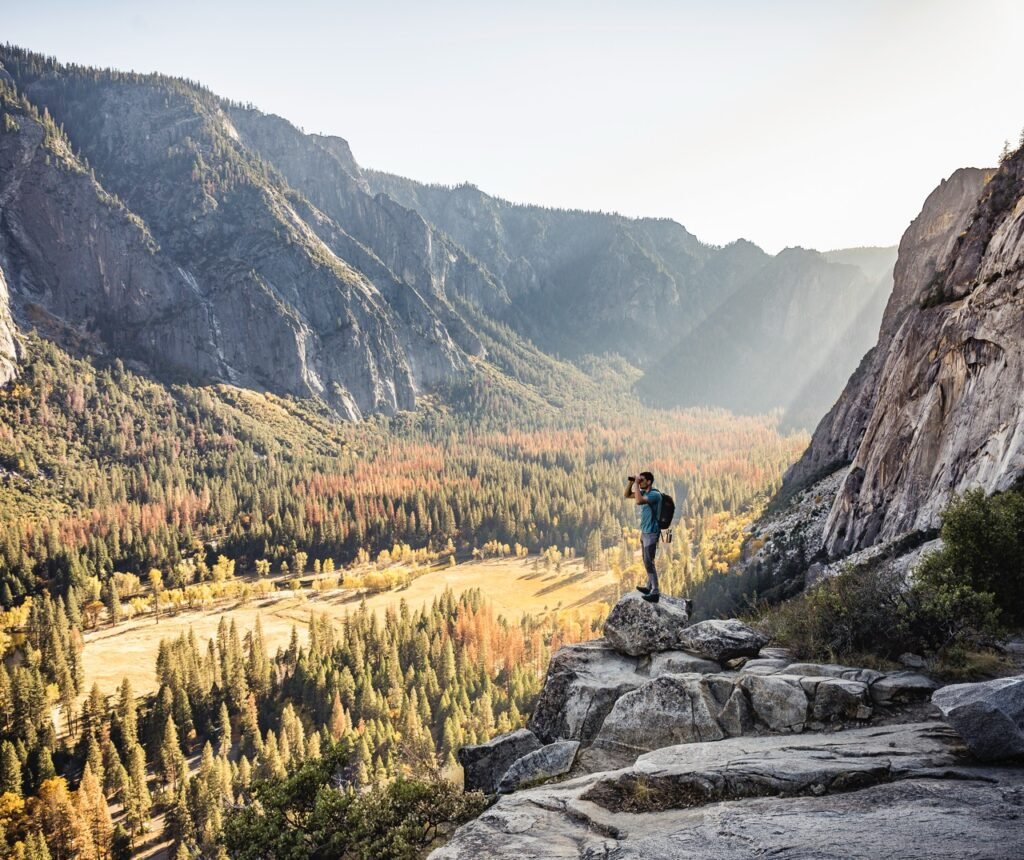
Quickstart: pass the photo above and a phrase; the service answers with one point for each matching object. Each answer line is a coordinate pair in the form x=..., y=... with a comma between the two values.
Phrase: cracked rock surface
x=902, y=791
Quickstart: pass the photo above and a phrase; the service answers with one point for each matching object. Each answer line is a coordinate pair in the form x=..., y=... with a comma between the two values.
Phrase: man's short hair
x=648, y=475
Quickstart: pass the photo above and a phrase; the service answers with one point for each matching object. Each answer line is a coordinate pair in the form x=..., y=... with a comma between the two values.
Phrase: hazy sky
x=822, y=124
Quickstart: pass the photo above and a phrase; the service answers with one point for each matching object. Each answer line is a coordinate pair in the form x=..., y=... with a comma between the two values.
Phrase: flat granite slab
x=905, y=791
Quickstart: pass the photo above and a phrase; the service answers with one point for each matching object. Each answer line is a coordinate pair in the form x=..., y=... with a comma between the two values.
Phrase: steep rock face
x=262, y=295
x=324, y=171
x=928, y=240
x=935, y=409
x=8, y=347
x=80, y=265
x=638, y=278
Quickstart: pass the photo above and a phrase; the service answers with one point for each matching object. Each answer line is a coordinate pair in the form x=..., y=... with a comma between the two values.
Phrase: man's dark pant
x=649, y=546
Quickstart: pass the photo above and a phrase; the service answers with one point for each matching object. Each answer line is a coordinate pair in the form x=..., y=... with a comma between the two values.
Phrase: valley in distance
x=311, y=477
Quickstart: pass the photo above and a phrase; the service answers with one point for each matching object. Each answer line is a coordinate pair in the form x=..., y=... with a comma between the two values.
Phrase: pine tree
x=171, y=761
x=94, y=813
x=224, y=731
x=94, y=758
x=137, y=798
x=10, y=769
x=36, y=847
x=127, y=719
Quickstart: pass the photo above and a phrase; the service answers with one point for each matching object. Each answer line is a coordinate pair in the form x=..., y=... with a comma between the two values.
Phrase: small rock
x=839, y=699
x=676, y=663
x=832, y=670
x=902, y=687
x=777, y=700
x=737, y=717
x=722, y=640
x=549, y=761
x=484, y=764
x=912, y=661
x=764, y=665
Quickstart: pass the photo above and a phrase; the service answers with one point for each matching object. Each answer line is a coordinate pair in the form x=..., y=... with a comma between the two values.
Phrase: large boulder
x=638, y=627
x=582, y=684
x=672, y=709
x=989, y=716
x=485, y=764
x=722, y=640
x=549, y=761
x=779, y=701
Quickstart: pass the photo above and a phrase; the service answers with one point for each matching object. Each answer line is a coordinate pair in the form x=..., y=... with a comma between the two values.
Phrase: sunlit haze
x=789, y=123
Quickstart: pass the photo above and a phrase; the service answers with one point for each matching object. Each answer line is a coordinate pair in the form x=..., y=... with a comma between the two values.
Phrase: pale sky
x=821, y=124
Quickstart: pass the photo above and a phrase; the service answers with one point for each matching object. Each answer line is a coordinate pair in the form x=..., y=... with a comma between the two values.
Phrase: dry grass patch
x=513, y=587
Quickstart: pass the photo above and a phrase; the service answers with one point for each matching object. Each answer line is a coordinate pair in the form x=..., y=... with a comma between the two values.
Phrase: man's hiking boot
x=652, y=598
x=643, y=589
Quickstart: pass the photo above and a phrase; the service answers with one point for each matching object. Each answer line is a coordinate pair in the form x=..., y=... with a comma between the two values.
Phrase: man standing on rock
x=641, y=489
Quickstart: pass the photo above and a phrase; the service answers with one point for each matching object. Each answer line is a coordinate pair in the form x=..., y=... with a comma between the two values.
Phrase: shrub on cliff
x=983, y=550
x=961, y=594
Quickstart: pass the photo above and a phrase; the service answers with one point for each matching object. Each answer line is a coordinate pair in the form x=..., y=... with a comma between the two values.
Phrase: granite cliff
x=146, y=225
x=935, y=406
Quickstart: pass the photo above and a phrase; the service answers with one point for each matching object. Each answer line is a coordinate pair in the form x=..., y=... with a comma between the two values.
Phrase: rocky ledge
x=667, y=752
x=895, y=791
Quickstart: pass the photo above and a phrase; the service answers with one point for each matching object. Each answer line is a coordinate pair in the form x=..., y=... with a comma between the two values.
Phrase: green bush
x=983, y=550
x=859, y=611
x=316, y=814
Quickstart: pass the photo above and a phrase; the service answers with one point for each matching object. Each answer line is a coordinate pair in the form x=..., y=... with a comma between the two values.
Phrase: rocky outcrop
x=673, y=757
x=618, y=705
x=636, y=626
x=988, y=716
x=905, y=789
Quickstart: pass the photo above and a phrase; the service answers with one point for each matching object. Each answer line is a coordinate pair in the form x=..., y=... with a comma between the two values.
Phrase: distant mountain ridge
x=795, y=326
x=144, y=216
